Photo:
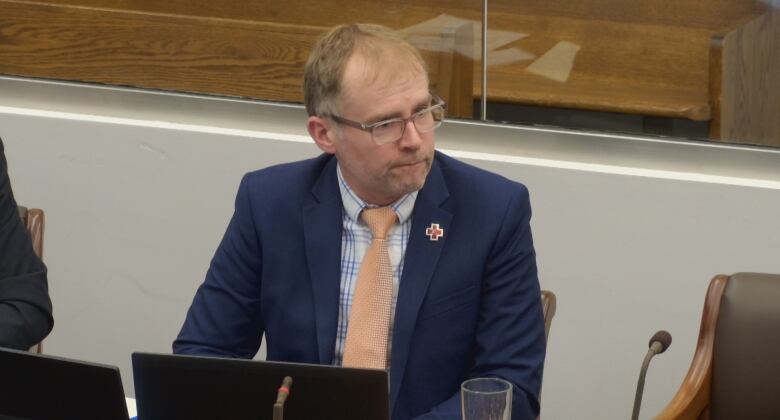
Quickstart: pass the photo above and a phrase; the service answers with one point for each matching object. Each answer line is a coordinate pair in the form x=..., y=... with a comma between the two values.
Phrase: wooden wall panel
x=257, y=49
x=750, y=96
x=184, y=53
x=709, y=14
x=640, y=69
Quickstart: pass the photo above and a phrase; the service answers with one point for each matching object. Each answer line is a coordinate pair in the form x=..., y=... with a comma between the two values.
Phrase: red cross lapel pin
x=434, y=232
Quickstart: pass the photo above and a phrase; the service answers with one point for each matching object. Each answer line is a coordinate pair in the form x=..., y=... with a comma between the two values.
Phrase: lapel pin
x=434, y=232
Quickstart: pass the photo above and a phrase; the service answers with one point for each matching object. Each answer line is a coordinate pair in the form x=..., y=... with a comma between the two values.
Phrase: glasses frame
x=369, y=128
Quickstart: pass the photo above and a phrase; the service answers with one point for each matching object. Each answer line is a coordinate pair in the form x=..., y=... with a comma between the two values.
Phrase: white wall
x=136, y=208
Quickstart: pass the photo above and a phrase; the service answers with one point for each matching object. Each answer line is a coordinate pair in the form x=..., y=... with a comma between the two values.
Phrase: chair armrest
x=693, y=396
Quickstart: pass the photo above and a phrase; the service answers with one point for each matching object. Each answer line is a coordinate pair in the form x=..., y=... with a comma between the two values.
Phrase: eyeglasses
x=389, y=131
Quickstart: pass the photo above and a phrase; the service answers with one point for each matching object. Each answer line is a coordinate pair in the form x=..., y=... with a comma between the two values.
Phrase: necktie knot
x=379, y=220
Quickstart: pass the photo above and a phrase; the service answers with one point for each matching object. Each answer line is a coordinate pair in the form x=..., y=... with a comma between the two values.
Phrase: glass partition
x=686, y=68
x=690, y=68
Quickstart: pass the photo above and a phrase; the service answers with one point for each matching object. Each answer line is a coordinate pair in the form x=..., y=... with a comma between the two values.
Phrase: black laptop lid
x=43, y=387
x=207, y=388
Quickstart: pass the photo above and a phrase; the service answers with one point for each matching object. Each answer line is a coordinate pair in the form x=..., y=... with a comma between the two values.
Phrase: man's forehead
x=364, y=78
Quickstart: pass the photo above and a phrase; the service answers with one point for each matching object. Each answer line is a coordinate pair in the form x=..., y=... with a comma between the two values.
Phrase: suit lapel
x=322, y=226
x=420, y=260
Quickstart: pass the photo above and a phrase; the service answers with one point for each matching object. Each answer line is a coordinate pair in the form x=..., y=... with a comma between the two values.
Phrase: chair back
x=548, y=309
x=746, y=353
x=548, y=312
x=34, y=220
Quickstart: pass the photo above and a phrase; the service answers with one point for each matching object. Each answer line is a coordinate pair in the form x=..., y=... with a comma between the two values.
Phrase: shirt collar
x=353, y=205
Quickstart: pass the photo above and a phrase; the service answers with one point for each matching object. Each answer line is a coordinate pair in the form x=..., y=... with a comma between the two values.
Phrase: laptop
x=42, y=387
x=207, y=388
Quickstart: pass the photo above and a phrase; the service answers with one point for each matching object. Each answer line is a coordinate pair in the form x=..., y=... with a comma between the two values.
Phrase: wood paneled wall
x=750, y=82
x=645, y=57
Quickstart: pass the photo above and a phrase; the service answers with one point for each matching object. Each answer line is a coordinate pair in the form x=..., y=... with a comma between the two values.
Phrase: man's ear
x=320, y=131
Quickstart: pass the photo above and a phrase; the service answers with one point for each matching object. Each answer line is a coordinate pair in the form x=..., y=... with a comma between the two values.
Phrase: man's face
x=381, y=174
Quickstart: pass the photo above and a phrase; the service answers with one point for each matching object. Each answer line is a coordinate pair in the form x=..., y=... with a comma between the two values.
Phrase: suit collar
x=435, y=188
x=326, y=188
x=322, y=230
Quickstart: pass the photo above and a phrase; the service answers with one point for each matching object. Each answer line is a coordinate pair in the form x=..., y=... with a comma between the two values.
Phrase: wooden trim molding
x=693, y=397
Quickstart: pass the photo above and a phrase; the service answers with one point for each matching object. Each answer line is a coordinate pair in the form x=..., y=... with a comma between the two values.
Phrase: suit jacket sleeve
x=225, y=316
x=509, y=341
x=25, y=307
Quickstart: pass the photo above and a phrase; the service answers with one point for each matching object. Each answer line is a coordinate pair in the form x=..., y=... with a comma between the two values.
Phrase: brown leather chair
x=548, y=309
x=548, y=312
x=34, y=220
x=735, y=372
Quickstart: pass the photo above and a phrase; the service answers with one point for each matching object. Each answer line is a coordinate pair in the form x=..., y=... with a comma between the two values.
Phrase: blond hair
x=380, y=46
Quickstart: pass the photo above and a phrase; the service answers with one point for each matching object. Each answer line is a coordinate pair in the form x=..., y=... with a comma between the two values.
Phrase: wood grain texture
x=750, y=83
x=693, y=397
x=35, y=225
x=454, y=73
x=242, y=58
x=257, y=49
x=193, y=54
x=34, y=220
x=549, y=306
x=716, y=86
x=710, y=14
x=629, y=68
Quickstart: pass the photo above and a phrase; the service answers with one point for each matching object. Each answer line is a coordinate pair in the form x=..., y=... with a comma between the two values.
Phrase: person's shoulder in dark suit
x=468, y=184
x=25, y=306
x=291, y=179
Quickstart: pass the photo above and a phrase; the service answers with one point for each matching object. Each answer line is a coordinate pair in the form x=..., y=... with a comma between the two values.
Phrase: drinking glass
x=486, y=399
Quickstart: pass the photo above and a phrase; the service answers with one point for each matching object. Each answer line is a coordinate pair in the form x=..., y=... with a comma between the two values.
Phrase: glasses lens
x=429, y=119
x=388, y=131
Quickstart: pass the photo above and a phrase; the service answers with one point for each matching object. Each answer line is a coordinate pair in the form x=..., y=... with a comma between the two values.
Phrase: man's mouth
x=409, y=164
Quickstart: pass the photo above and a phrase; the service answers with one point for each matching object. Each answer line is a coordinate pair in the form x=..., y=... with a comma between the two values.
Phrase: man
x=458, y=296
x=25, y=307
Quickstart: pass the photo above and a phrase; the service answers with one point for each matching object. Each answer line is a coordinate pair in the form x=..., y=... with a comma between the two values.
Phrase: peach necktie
x=369, y=319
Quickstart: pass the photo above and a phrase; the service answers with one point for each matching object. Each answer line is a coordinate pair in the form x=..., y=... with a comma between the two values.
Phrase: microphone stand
x=658, y=344
x=640, y=385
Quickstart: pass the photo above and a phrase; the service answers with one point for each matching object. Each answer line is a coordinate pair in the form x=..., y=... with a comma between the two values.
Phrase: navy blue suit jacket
x=25, y=306
x=468, y=304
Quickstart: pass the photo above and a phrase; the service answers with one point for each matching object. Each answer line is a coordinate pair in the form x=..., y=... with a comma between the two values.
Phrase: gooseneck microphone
x=658, y=344
x=281, y=397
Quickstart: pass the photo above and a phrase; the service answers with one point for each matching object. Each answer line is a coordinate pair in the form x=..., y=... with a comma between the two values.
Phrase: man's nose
x=411, y=138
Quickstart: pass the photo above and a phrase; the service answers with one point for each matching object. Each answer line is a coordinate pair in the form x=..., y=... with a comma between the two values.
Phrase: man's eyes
x=391, y=121
x=387, y=125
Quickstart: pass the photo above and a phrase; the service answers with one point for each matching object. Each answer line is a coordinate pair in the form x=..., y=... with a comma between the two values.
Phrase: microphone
x=281, y=397
x=658, y=344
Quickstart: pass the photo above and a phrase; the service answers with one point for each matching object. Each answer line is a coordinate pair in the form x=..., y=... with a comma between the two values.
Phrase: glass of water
x=486, y=399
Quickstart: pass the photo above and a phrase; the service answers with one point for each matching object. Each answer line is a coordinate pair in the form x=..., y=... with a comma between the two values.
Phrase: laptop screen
x=206, y=388
x=43, y=387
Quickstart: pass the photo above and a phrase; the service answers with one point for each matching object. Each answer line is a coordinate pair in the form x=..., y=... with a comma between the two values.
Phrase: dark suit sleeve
x=225, y=317
x=25, y=307
x=509, y=341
